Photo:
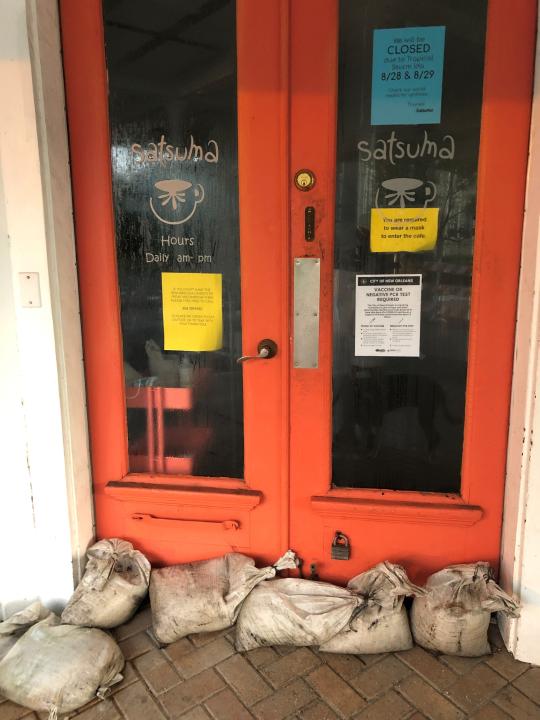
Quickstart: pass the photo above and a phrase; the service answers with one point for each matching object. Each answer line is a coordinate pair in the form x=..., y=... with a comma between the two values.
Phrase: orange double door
x=298, y=230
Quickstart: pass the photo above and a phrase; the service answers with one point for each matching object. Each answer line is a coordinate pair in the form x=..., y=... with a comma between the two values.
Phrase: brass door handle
x=266, y=348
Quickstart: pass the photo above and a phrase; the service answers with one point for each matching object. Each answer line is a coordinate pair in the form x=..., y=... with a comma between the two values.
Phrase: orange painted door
x=414, y=119
x=178, y=129
x=188, y=126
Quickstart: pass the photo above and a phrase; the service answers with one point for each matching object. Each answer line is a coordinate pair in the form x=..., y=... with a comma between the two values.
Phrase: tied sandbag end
x=289, y=561
x=453, y=616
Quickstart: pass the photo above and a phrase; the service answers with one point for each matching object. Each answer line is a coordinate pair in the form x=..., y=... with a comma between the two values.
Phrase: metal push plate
x=307, y=284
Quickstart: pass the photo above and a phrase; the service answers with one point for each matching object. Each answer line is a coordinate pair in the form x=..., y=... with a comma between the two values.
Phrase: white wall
x=45, y=499
x=520, y=558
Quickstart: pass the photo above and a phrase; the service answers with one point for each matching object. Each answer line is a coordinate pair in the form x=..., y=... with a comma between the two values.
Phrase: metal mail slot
x=307, y=283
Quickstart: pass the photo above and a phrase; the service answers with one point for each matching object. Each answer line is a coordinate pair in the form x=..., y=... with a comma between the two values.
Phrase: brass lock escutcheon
x=304, y=179
x=341, y=549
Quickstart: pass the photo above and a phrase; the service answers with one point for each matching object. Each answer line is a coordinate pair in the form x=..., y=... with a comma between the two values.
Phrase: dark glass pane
x=410, y=96
x=172, y=90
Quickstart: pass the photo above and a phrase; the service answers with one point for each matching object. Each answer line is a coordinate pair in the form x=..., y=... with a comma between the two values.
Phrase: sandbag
x=453, y=616
x=381, y=623
x=114, y=583
x=206, y=595
x=59, y=668
x=16, y=625
x=293, y=611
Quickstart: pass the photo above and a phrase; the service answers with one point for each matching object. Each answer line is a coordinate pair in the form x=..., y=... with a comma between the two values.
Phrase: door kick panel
x=307, y=283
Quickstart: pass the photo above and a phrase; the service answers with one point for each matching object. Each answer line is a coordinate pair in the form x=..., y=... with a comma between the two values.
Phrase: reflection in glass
x=398, y=421
x=172, y=90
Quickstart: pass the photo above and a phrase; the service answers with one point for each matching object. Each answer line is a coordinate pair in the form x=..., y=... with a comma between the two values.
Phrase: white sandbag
x=381, y=623
x=59, y=668
x=207, y=595
x=294, y=612
x=453, y=616
x=114, y=583
x=16, y=625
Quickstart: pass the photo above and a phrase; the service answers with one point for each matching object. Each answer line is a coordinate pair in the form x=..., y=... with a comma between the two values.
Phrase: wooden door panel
x=422, y=530
x=166, y=514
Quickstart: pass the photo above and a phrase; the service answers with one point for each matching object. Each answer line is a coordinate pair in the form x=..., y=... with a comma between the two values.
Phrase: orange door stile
x=176, y=518
x=422, y=531
x=314, y=25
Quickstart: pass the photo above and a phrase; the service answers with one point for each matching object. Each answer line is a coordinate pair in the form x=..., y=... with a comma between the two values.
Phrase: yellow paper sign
x=404, y=229
x=192, y=311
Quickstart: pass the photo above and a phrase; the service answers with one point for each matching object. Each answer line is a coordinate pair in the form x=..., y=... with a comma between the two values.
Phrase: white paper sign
x=388, y=315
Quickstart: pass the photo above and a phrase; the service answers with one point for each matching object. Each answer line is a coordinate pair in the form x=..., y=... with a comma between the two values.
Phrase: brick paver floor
x=203, y=678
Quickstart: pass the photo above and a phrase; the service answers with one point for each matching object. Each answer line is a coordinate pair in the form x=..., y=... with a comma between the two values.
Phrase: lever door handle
x=266, y=348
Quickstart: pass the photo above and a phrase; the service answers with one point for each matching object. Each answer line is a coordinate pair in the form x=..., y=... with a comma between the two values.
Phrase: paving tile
x=489, y=712
x=431, y=703
x=318, y=711
x=136, y=703
x=348, y=666
x=516, y=704
x=197, y=713
x=335, y=691
x=284, y=702
x=203, y=658
x=261, y=656
x=429, y=667
x=139, y=623
x=226, y=706
x=156, y=671
x=476, y=687
x=391, y=705
x=201, y=639
x=295, y=664
x=11, y=711
x=380, y=677
x=371, y=659
x=136, y=645
x=104, y=710
x=191, y=692
x=178, y=649
x=504, y=663
x=529, y=684
x=244, y=679
x=461, y=665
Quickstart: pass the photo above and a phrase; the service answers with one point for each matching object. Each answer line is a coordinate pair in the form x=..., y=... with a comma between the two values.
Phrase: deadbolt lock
x=304, y=180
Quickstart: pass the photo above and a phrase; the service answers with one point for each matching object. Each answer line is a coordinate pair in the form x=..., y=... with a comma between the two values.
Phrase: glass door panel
x=173, y=121
x=409, y=108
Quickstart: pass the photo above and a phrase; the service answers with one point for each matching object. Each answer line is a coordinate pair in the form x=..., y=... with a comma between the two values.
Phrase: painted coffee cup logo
x=174, y=201
x=405, y=192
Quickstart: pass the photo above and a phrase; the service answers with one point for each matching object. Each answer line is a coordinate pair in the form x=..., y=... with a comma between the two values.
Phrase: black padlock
x=341, y=550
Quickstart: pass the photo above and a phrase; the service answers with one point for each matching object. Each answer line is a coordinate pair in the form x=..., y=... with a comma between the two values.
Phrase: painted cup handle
x=433, y=193
x=199, y=190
